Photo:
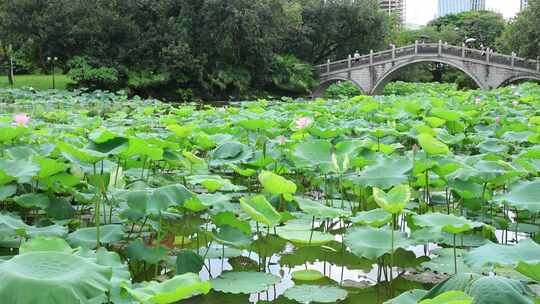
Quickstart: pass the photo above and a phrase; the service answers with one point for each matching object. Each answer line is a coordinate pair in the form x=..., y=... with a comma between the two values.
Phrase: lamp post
x=52, y=60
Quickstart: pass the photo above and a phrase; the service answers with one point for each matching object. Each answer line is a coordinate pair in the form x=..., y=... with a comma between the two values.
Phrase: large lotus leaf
x=7, y=134
x=173, y=290
x=231, y=236
x=140, y=252
x=188, y=261
x=315, y=293
x=244, y=282
x=495, y=254
x=303, y=236
x=231, y=219
x=375, y=218
x=45, y=244
x=49, y=167
x=33, y=200
x=372, y=243
x=49, y=277
x=431, y=145
x=7, y=191
x=449, y=297
x=499, y=290
x=395, y=200
x=493, y=146
x=87, y=237
x=141, y=147
x=531, y=270
x=523, y=196
x=22, y=170
x=11, y=226
x=443, y=262
x=83, y=155
x=307, y=275
x=314, y=155
x=384, y=173
x=256, y=124
x=155, y=201
x=260, y=210
x=231, y=153
x=445, y=222
x=459, y=282
x=319, y=210
x=276, y=184
x=408, y=297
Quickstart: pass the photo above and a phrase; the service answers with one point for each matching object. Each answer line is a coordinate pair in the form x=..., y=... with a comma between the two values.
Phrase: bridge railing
x=430, y=49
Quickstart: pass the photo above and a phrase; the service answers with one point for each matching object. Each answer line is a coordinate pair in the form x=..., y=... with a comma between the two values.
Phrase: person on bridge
x=356, y=56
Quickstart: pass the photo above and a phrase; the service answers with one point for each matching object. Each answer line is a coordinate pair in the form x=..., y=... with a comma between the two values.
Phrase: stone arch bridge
x=370, y=73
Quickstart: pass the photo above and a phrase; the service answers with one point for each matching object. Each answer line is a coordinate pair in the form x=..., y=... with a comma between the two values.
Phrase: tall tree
x=523, y=33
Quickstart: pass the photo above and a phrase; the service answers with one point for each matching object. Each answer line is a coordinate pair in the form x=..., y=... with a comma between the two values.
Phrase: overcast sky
x=422, y=11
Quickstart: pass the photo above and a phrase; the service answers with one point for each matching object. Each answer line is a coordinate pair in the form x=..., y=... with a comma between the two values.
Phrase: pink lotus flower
x=415, y=148
x=497, y=119
x=478, y=100
x=515, y=103
x=303, y=122
x=281, y=140
x=21, y=120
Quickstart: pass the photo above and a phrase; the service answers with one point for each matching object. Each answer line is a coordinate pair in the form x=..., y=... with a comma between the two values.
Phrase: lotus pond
x=425, y=198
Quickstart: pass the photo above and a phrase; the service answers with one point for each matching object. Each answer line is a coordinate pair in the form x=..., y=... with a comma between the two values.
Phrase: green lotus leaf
x=499, y=290
x=443, y=262
x=408, y=297
x=51, y=277
x=84, y=155
x=45, y=244
x=140, y=252
x=375, y=218
x=244, y=282
x=182, y=131
x=87, y=237
x=431, y=145
x=302, y=236
x=384, y=173
x=319, y=210
x=449, y=297
x=307, y=275
x=173, y=290
x=531, y=270
x=260, y=210
x=395, y=200
x=523, y=196
x=315, y=293
x=141, y=147
x=495, y=254
x=372, y=243
x=155, y=201
x=229, y=218
x=8, y=134
x=188, y=261
x=33, y=200
x=231, y=153
x=445, y=222
x=231, y=236
x=7, y=191
x=276, y=184
x=11, y=226
x=459, y=282
x=219, y=252
x=22, y=170
x=313, y=155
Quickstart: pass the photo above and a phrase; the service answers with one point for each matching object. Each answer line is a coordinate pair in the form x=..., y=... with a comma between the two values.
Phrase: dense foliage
x=522, y=35
x=429, y=198
x=194, y=48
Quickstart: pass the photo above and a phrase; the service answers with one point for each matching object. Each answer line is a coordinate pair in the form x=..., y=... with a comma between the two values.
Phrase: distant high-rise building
x=524, y=4
x=446, y=7
x=394, y=7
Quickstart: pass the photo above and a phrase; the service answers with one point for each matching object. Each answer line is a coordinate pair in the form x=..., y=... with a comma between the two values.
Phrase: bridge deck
x=431, y=50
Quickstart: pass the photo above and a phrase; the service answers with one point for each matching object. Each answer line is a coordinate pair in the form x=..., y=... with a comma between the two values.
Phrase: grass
x=38, y=82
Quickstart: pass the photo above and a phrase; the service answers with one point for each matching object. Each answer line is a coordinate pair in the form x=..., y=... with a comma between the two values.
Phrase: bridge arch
x=387, y=77
x=520, y=78
x=323, y=86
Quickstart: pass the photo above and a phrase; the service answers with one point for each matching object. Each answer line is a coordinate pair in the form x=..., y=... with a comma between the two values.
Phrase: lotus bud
x=21, y=120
